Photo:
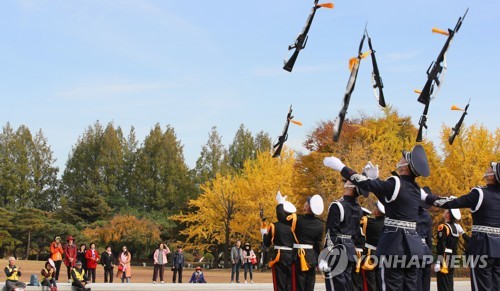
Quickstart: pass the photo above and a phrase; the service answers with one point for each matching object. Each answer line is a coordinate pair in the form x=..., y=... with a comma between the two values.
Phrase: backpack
x=34, y=280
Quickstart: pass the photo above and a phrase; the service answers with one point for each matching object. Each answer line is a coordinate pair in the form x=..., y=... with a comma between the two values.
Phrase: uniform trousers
x=282, y=276
x=342, y=281
x=485, y=274
x=399, y=279
x=445, y=281
x=424, y=278
x=371, y=279
x=304, y=281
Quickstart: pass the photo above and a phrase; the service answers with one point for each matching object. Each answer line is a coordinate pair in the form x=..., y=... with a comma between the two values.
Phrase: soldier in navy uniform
x=424, y=229
x=484, y=243
x=280, y=236
x=342, y=228
x=448, y=234
x=372, y=228
x=399, y=244
x=308, y=234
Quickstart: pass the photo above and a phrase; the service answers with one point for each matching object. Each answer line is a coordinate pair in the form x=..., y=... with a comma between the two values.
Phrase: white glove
x=323, y=266
x=459, y=229
x=437, y=267
x=371, y=171
x=279, y=198
x=263, y=231
x=334, y=163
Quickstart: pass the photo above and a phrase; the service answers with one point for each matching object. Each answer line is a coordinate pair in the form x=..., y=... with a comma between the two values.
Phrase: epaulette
x=443, y=225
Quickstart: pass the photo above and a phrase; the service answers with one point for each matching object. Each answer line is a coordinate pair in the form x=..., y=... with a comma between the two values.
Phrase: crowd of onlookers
x=81, y=262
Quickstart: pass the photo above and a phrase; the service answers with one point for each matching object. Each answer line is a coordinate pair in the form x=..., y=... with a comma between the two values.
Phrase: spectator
x=248, y=257
x=80, y=256
x=236, y=260
x=160, y=259
x=124, y=271
x=178, y=264
x=48, y=273
x=197, y=276
x=80, y=279
x=69, y=256
x=13, y=273
x=92, y=257
x=56, y=254
x=108, y=262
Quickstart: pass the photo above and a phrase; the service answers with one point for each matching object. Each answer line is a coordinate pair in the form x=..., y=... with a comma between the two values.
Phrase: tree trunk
x=226, y=245
x=28, y=246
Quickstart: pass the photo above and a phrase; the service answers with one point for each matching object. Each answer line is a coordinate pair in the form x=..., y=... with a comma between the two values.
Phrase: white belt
x=371, y=247
x=399, y=223
x=486, y=229
x=283, y=248
x=302, y=246
x=344, y=236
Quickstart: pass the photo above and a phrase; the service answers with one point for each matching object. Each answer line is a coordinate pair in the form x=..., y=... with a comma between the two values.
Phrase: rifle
x=354, y=67
x=423, y=119
x=300, y=42
x=284, y=136
x=436, y=68
x=376, y=78
x=456, y=129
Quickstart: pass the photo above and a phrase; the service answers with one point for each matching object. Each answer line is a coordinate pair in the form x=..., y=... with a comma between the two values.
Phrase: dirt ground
x=140, y=274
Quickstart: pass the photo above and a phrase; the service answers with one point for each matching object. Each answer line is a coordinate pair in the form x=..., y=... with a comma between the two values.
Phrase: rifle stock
x=291, y=61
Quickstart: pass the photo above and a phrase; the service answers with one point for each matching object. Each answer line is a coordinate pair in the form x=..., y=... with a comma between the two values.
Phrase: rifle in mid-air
x=435, y=75
x=438, y=67
x=354, y=67
x=422, y=123
x=284, y=135
x=376, y=79
x=300, y=42
x=456, y=129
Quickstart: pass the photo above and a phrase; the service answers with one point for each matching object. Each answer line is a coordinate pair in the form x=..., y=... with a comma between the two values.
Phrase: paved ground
x=459, y=286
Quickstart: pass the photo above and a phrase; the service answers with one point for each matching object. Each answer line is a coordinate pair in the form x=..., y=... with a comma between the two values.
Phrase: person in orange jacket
x=56, y=252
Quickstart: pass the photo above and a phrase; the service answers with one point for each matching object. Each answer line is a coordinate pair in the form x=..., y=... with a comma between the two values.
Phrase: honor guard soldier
x=342, y=228
x=447, y=243
x=399, y=245
x=424, y=229
x=372, y=228
x=308, y=232
x=484, y=243
x=359, y=243
x=280, y=236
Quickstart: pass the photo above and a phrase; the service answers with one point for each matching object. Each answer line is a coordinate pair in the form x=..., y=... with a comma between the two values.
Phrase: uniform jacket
x=485, y=210
x=344, y=220
x=309, y=230
x=401, y=196
x=282, y=236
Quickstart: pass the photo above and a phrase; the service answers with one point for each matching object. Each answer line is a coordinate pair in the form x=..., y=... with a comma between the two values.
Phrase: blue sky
x=198, y=64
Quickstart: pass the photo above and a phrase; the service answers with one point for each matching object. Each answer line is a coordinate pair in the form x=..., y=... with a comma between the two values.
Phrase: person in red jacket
x=70, y=256
x=92, y=257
